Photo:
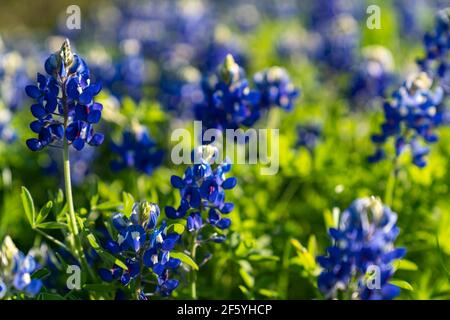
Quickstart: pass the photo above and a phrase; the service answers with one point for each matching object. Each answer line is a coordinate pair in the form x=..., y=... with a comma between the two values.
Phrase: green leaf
x=177, y=228
x=184, y=258
x=404, y=264
x=40, y=274
x=49, y=296
x=51, y=225
x=244, y=290
x=93, y=241
x=268, y=293
x=107, y=206
x=262, y=258
x=111, y=259
x=128, y=202
x=103, y=254
x=28, y=205
x=402, y=284
x=248, y=279
x=43, y=213
x=312, y=245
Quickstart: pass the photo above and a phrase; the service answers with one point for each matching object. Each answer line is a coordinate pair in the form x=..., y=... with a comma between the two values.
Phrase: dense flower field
x=350, y=99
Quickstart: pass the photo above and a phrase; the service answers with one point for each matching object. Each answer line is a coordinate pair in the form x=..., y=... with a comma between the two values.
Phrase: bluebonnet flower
x=13, y=77
x=137, y=150
x=180, y=82
x=410, y=116
x=336, y=22
x=359, y=263
x=276, y=88
x=409, y=13
x=373, y=76
x=16, y=270
x=130, y=74
x=339, y=42
x=143, y=244
x=322, y=12
x=308, y=135
x=229, y=101
x=437, y=45
x=7, y=133
x=296, y=43
x=65, y=107
x=202, y=190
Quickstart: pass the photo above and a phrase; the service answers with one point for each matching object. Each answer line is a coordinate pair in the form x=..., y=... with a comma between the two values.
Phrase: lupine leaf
x=43, y=213
x=177, y=228
x=402, y=284
x=103, y=254
x=184, y=258
x=28, y=205
x=51, y=225
x=128, y=202
x=49, y=296
x=40, y=274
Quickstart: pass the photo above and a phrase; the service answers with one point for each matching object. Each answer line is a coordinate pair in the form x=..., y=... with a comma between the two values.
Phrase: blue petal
x=177, y=182
x=38, y=111
x=224, y=223
x=229, y=183
x=94, y=116
x=97, y=139
x=78, y=144
x=227, y=207
x=33, y=92
x=34, y=144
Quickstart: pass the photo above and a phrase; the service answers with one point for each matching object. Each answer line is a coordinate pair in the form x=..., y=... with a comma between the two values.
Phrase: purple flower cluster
x=359, y=263
x=144, y=245
x=64, y=103
x=411, y=116
x=202, y=189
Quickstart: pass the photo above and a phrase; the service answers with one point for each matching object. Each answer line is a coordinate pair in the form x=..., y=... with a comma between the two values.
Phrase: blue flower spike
x=142, y=243
x=64, y=105
x=359, y=263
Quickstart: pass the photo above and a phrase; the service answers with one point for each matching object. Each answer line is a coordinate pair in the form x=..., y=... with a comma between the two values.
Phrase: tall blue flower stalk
x=276, y=88
x=437, y=48
x=16, y=269
x=65, y=113
x=137, y=150
x=145, y=245
x=411, y=117
x=229, y=102
x=358, y=265
x=373, y=76
x=202, y=190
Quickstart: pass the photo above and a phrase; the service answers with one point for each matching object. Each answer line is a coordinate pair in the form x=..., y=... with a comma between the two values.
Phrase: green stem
x=72, y=217
x=391, y=183
x=193, y=272
x=52, y=239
